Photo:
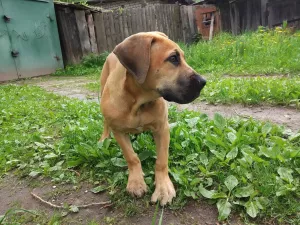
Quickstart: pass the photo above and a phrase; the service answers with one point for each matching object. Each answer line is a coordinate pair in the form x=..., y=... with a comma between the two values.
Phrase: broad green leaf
x=231, y=182
x=224, y=209
x=50, y=156
x=285, y=174
x=266, y=129
x=206, y=193
x=268, y=152
x=74, y=208
x=219, y=154
x=295, y=137
x=203, y=158
x=243, y=192
x=251, y=209
x=191, y=157
x=231, y=136
x=219, y=121
x=98, y=189
x=119, y=162
x=218, y=195
x=41, y=145
x=192, y=122
x=196, y=181
x=232, y=154
x=34, y=173
x=211, y=194
x=145, y=155
x=190, y=194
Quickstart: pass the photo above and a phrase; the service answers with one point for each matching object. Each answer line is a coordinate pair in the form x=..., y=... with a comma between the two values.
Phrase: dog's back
x=108, y=66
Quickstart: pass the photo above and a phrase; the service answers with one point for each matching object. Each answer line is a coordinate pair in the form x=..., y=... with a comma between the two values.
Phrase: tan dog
x=142, y=71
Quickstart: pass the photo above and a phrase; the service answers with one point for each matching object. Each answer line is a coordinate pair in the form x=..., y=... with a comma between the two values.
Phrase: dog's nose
x=201, y=82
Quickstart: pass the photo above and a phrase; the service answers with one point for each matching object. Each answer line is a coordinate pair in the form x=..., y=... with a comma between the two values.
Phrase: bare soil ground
x=15, y=192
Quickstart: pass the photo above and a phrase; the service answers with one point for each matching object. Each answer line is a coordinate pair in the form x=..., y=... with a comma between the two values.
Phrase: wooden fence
x=84, y=31
x=238, y=16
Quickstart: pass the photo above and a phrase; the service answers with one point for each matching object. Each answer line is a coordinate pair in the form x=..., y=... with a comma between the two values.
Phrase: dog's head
x=158, y=64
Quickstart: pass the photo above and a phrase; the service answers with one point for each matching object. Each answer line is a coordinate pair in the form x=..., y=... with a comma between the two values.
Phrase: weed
x=240, y=165
x=262, y=52
x=256, y=90
x=248, y=90
x=13, y=212
x=90, y=65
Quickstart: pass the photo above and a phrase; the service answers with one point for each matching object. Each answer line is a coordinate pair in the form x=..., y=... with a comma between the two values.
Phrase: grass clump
x=251, y=91
x=262, y=52
x=240, y=165
x=90, y=65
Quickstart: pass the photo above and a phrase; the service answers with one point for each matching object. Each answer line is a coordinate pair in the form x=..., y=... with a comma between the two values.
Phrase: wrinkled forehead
x=164, y=47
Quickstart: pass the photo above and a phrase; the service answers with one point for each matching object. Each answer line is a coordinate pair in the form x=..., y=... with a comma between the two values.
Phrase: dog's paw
x=136, y=186
x=164, y=191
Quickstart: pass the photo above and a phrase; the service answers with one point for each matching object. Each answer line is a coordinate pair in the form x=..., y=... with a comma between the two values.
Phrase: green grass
x=252, y=91
x=93, y=86
x=240, y=165
x=283, y=91
x=257, y=53
x=90, y=65
x=262, y=52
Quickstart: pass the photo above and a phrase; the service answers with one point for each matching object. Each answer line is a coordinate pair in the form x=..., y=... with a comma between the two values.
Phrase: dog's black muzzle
x=186, y=90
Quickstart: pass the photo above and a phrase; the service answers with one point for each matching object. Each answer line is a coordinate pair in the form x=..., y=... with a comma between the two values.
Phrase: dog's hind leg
x=106, y=132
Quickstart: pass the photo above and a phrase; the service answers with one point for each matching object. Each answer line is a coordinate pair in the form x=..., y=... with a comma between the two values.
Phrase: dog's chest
x=148, y=117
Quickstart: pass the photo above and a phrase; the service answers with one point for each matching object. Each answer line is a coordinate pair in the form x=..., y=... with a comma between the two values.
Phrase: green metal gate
x=29, y=41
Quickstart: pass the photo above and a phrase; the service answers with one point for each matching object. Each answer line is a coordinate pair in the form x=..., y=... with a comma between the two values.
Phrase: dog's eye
x=174, y=60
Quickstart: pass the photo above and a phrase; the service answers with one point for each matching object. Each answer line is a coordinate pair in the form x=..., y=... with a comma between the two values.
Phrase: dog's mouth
x=186, y=90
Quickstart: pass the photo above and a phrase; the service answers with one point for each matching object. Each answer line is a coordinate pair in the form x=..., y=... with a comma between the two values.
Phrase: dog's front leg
x=164, y=189
x=136, y=184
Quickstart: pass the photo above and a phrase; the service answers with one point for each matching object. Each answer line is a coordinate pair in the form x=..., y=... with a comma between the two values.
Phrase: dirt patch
x=280, y=115
x=73, y=87
x=16, y=192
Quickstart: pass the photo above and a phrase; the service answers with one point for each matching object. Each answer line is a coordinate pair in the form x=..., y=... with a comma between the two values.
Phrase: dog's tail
x=106, y=132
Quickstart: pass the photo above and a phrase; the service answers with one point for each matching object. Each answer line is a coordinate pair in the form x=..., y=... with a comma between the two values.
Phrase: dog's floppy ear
x=134, y=54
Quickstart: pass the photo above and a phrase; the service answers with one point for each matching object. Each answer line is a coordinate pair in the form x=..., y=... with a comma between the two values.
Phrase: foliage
x=246, y=90
x=13, y=211
x=253, y=90
x=90, y=65
x=262, y=52
x=238, y=164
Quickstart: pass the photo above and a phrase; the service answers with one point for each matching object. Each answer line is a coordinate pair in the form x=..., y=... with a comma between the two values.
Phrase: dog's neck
x=138, y=94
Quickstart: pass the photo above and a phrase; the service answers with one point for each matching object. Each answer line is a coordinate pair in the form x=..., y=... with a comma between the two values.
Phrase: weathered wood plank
x=164, y=20
x=107, y=25
x=144, y=19
x=184, y=27
x=133, y=21
x=121, y=22
x=69, y=36
x=147, y=18
x=160, y=18
x=100, y=32
x=139, y=20
x=112, y=30
x=152, y=21
x=116, y=23
x=83, y=31
x=125, y=24
x=179, y=24
x=191, y=20
x=91, y=29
